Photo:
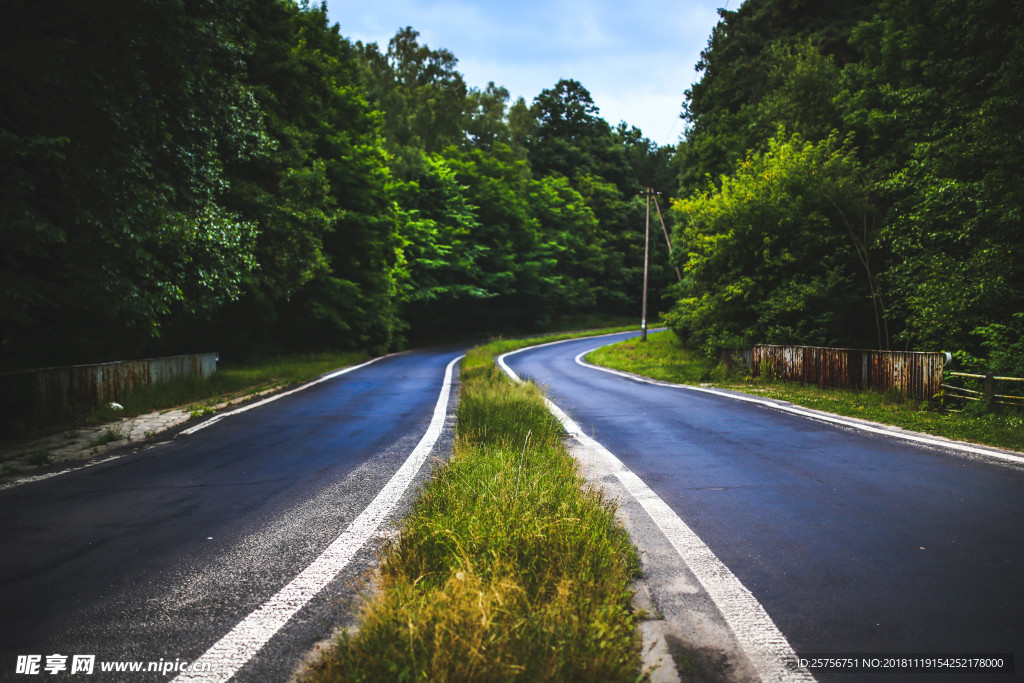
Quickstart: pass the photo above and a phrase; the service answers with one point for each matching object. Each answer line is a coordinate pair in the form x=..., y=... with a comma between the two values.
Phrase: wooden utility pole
x=647, y=254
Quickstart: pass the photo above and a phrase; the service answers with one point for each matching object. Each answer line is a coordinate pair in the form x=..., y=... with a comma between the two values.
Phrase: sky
x=636, y=58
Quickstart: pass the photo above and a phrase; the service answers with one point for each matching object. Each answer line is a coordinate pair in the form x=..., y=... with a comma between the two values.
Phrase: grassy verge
x=664, y=358
x=509, y=566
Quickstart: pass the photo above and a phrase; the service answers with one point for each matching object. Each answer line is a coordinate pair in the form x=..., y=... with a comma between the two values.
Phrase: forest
x=850, y=177
x=185, y=175
x=236, y=175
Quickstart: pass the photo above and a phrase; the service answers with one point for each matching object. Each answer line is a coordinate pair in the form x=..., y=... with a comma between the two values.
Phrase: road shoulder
x=961, y=448
x=684, y=634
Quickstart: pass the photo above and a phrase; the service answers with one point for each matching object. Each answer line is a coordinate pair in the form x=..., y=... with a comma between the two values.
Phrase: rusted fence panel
x=54, y=393
x=915, y=374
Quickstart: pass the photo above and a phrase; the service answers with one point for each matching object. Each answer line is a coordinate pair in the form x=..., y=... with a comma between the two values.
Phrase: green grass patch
x=109, y=435
x=39, y=458
x=509, y=567
x=660, y=357
x=663, y=357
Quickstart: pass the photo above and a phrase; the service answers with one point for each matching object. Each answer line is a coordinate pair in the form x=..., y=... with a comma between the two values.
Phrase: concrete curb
x=684, y=636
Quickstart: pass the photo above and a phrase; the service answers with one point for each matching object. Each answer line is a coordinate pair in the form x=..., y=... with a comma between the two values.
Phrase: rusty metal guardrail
x=54, y=393
x=915, y=374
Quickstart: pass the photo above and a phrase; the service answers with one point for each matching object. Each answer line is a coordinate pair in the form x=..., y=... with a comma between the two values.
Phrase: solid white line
x=823, y=417
x=508, y=371
x=236, y=648
x=191, y=430
x=220, y=416
x=767, y=649
x=31, y=479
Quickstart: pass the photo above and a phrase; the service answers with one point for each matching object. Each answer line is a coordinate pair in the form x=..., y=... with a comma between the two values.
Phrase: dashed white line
x=235, y=649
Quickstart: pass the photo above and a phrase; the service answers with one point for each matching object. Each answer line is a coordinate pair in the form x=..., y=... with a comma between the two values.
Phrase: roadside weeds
x=509, y=567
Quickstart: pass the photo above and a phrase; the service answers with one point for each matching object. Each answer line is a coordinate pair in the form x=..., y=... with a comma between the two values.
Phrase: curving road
x=156, y=556
x=853, y=542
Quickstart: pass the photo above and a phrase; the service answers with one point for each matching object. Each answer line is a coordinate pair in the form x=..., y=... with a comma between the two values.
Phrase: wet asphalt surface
x=853, y=543
x=158, y=554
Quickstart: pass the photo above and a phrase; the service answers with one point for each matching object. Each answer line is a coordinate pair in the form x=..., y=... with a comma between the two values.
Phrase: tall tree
x=485, y=119
x=773, y=253
x=935, y=105
x=758, y=49
x=318, y=192
x=570, y=137
x=118, y=119
x=439, y=276
x=419, y=90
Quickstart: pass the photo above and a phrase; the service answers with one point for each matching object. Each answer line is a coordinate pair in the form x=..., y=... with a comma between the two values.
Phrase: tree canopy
x=897, y=118
x=183, y=174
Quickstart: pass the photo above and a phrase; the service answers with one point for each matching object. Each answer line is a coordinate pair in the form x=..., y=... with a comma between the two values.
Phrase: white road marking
x=191, y=430
x=220, y=416
x=49, y=475
x=767, y=649
x=235, y=649
x=823, y=417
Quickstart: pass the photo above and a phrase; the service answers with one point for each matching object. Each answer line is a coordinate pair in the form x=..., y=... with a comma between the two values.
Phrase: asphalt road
x=158, y=554
x=852, y=542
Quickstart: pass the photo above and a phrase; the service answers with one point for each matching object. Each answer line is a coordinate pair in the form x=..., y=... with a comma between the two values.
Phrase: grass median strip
x=509, y=567
x=664, y=358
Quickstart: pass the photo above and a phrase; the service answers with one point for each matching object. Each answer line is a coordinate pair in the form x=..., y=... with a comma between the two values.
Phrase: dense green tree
x=618, y=248
x=754, y=52
x=927, y=94
x=317, y=190
x=521, y=125
x=570, y=138
x=118, y=119
x=936, y=102
x=571, y=238
x=439, y=276
x=420, y=92
x=609, y=168
x=801, y=88
x=284, y=188
x=514, y=268
x=542, y=250
x=772, y=253
x=239, y=176
x=485, y=119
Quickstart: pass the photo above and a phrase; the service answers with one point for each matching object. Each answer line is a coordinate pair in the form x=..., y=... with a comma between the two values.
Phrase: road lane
x=159, y=554
x=852, y=542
